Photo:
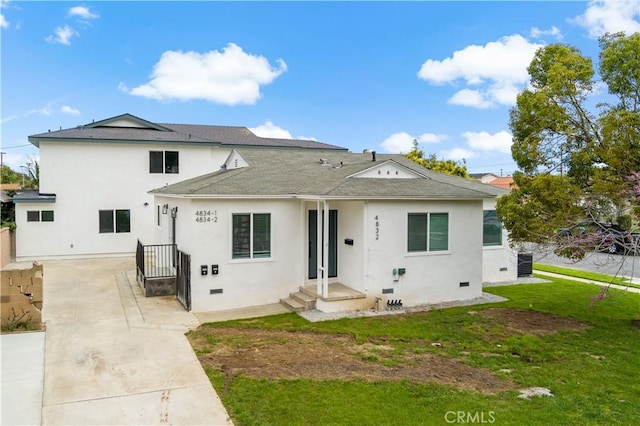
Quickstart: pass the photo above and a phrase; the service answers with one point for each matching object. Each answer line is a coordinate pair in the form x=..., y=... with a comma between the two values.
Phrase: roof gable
x=234, y=161
x=127, y=121
x=388, y=170
x=129, y=129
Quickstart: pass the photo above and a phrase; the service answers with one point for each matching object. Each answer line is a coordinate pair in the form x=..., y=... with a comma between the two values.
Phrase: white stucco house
x=95, y=178
x=261, y=220
x=256, y=231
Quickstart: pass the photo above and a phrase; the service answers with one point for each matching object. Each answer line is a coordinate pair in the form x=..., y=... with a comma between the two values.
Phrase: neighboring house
x=505, y=182
x=10, y=186
x=484, y=177
x=94, y=180
x=355, y=230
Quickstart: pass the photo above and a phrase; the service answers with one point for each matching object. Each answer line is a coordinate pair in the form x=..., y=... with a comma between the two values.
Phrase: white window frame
x=429, y=250
x=252, y=257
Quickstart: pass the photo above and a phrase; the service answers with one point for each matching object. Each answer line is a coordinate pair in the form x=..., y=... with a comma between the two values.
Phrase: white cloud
x=539, y=33
x=14, y=161
x=484, y=141
x=270, y=130
x=3, y=21
x=62, y=35
x=610, y=16
x=471, y=98
x=457, y=154
x=65, y=109
x=431, y=138
x=494, y=73
x=402, y=142
x=45, y=110
x=228, y=77
x=81, y=12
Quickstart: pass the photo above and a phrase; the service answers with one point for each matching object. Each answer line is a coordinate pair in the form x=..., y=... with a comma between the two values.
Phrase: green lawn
x=593, y=373
x=578, y=273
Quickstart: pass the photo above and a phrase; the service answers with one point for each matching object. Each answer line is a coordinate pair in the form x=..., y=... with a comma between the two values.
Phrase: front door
x=313, y=243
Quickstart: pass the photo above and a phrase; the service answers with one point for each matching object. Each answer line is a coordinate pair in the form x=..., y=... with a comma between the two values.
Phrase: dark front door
x=313, y=243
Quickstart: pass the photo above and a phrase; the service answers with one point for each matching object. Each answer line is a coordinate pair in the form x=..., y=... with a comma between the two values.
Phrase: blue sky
x=356, y=74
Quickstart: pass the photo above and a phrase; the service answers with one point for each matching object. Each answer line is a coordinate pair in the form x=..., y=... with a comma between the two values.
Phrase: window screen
x=491, y=229
x=106, y=221
x=155, y=162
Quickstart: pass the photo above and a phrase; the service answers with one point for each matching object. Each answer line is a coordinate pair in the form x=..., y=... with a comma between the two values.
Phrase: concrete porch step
x=292, y=304
x=308, y=301
x=337, y=292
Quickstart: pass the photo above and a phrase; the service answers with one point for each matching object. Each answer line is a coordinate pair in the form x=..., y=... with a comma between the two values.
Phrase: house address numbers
x=377, y=228
x=206, y=216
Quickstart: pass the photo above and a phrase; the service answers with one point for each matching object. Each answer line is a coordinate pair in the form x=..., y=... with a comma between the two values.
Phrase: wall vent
x=215, y=291
x=505, y=269
x=464, y=284
x=387, y=291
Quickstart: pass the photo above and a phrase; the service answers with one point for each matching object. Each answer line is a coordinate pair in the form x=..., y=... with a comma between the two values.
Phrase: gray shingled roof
x=33, y=196
x=299, y=173
x=172, y=133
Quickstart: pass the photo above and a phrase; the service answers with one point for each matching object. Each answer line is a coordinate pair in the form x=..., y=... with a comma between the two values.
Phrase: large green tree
x=10, y=176
x=577, y=160
x=449, y=167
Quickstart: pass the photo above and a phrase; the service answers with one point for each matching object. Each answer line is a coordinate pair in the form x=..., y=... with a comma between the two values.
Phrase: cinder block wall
x=21, y=295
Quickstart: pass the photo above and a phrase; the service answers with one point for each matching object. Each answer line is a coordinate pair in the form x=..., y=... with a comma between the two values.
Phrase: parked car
x=603, y=237
x=635, y=243
x=615, y=241
x=580, y=228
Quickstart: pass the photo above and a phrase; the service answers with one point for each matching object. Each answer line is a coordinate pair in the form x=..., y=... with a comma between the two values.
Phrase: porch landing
x=337, y=291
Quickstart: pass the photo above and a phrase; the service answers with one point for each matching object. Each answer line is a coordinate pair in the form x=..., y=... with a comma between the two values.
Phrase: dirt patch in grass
x=275, y=354
x=532, y=322
x=302, y=355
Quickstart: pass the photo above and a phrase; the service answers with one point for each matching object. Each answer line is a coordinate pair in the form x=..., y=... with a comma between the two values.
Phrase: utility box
x=525, y=264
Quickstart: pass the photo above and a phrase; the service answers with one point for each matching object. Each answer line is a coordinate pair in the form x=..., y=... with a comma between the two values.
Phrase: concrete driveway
x=114, y=358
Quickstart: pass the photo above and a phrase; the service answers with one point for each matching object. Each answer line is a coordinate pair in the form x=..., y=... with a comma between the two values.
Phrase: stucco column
x=325, y=251
x=319, y=268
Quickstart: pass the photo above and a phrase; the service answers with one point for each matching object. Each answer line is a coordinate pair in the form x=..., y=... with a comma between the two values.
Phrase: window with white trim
x=164, y=162
x=39, y=215
x=427, y=232
x=114, y=220
x=251, y=236
x=491, y=229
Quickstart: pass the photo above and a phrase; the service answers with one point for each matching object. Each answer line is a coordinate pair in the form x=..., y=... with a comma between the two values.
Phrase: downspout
x=174, y=214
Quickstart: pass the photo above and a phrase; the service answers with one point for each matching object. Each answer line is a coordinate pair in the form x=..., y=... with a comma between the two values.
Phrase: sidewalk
x=22, y=378
x=112, y=358
x=583, y=280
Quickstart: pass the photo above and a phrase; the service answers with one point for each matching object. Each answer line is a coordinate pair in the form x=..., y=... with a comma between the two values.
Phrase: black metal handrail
x=156, y=260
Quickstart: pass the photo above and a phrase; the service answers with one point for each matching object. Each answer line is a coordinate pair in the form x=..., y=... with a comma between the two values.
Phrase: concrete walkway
x=114, y=358
x=584, y=280
x=22, y=378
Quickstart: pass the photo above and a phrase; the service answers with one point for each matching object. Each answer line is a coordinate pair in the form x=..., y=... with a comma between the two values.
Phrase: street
x=604, y=263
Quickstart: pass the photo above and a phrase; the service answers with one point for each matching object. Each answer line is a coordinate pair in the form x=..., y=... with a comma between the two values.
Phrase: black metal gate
x=183, y=279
